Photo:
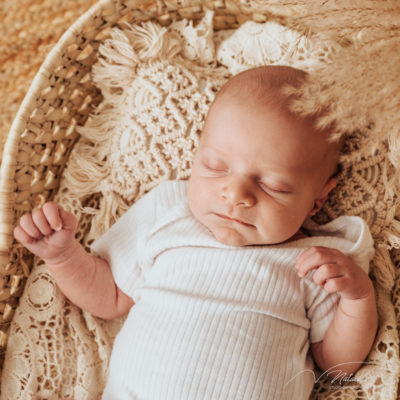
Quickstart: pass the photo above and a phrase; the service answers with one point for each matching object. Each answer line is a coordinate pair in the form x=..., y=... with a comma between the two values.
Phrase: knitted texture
x=157, y=85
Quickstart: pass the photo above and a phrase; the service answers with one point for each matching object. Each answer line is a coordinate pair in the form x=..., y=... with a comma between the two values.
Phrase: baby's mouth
x=234, y=219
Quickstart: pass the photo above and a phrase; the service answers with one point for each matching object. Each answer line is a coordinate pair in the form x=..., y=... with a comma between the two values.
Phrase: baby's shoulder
x=349, y=227
x=171, y=192
x=167, y=195
x=349, y=234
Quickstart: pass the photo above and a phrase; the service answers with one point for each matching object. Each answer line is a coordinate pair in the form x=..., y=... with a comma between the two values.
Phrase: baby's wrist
x=358, y=289
x=356, y=307
x=66, y=257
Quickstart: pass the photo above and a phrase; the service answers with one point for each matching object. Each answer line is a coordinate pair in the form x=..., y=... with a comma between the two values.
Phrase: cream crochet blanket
x=157, y=85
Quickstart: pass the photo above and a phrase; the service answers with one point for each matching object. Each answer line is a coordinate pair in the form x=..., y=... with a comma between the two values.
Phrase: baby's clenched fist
x=335, y=272
x=48, y=232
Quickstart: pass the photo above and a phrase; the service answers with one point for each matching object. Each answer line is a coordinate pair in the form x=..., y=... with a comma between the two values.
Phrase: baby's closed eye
x=215, y=165
x=271, y=188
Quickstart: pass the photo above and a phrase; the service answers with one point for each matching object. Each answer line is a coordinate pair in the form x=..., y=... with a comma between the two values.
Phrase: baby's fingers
x=27, y=226
x=327, y=272
x=335, y=284
x=58, y=218
x=52, y=211
x=22, y=236
x=41, y=222
x=314, y=257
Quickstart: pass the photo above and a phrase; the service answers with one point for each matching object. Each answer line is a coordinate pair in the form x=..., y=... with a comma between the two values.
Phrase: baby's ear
x=319, y=202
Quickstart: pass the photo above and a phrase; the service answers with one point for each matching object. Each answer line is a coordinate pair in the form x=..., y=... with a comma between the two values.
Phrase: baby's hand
x=335, y=272
x=49, y=232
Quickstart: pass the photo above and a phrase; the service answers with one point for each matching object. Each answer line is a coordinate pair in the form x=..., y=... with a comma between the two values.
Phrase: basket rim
x=8, y=163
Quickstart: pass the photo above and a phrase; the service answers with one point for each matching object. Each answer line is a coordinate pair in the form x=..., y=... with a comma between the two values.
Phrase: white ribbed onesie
x=213, y=321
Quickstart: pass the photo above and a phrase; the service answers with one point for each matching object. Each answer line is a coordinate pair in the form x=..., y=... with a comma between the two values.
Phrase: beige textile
x=157, y=85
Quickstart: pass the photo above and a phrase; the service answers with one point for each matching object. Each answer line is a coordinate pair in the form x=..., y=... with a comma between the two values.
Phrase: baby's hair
x=263, y=85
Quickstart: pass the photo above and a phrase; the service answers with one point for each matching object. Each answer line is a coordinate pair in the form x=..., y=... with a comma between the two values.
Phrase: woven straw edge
x=7, y=169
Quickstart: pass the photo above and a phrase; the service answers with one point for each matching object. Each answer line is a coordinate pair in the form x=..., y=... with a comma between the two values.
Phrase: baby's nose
x=238, y=193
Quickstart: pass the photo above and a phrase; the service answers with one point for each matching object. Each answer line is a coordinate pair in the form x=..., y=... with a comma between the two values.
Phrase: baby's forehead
x=257, y=84
x=264, y=89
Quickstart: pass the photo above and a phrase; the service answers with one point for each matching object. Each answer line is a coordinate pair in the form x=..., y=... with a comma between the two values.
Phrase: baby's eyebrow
x=214, y=150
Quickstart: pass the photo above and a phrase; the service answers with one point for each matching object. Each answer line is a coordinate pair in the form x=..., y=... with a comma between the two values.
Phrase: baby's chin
x=230, y=237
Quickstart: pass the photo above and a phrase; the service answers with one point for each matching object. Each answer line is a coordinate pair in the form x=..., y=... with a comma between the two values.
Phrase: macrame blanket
x=157, y=85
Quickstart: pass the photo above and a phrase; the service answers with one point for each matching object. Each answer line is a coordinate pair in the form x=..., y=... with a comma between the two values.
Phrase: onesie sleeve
x=363, y=250
x=122, y=246
x=320, y=310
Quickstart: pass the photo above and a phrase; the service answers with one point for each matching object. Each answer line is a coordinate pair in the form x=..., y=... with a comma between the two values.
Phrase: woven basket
x=62, y=96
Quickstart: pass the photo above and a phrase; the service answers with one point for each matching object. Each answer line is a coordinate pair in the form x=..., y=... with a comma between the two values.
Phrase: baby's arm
x=86, y=280
x=352, y=331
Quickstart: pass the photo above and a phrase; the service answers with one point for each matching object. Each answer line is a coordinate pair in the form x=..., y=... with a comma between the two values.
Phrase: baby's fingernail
x=58, y=228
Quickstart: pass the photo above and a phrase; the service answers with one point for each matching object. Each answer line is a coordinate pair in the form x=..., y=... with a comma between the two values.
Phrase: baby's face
x=257, y=174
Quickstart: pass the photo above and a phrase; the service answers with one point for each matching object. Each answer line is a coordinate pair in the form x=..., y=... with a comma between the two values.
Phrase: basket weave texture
x=27, y=33
x=62, y=97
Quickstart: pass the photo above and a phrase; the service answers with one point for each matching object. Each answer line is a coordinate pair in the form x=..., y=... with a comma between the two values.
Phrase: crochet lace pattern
x=157, y=85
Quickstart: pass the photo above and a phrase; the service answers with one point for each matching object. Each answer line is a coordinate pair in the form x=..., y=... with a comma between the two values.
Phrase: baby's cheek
x=194, y=196
x=277, y=226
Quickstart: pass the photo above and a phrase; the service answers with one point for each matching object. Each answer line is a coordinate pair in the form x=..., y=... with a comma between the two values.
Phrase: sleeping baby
x=231, y=291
